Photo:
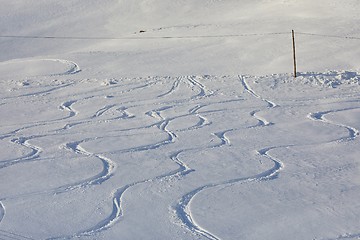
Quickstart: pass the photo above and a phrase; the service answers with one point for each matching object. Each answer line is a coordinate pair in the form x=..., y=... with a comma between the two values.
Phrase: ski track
x=347, y=236
x=225, y=141
x=33, y=155
x=146, y=85
x=117, y=195
x=261, y=121
x=183, y=206
x=203, y=121
x=254, y=94
x=41, y=93
x=353, y=134
x=103, y=110
x=203, y=91
x=67, y=106
x=162, y=125
x=2, y=211
x=320, y=116
x=124, y=113
x=75, y=68
x=7, y=235
x=109, y=167
x=118, y=198
x=174, y=87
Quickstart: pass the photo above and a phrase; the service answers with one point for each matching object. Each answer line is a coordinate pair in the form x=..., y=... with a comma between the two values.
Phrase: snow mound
x=331, y=79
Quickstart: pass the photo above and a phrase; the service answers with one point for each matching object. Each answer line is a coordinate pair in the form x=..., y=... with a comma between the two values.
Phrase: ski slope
x=179, y=120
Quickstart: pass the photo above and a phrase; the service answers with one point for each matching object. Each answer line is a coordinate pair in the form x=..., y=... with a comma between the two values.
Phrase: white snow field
x=155, y=119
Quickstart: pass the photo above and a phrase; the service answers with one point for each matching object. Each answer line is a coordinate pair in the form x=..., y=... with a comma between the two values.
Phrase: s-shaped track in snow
x=182, y=207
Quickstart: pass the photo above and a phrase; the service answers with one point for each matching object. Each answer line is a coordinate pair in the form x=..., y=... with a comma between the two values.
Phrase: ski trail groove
x=203, y=91
x=67, y=106
x=182, y=208
x=118, y=194
x=2, y=211
x=203, y=121
x=225, y=141
x=254, y=94
x=101, y=111
x=75, y=68
x=173, y=88
x=261, y=121
x=45, y=92
x=109, y=167
x=124, y=113
x=346, y=236
x=34, y=154
x=353, y=134
x=320, y=116
x=164, y=122
x=11, y=235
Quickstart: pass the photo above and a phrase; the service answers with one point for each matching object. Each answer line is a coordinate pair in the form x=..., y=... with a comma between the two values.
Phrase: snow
x=115, y=132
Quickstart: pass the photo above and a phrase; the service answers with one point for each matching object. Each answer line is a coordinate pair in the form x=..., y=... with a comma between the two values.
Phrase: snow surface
x=145, y=137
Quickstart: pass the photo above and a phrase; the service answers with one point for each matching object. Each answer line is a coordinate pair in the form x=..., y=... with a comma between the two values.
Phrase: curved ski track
x=109, y=167
x=40, y=93
x=34, y=154
x=203, y=91
x=173, y=88
x=117, y=195
x=262, y=122
x=74, y=67
x=2, y=211
x=320, y=116
x=23, y=141
x=353, y=134
x=317, y=116
x=182, y=208
x=67, y=106
x=7, y=235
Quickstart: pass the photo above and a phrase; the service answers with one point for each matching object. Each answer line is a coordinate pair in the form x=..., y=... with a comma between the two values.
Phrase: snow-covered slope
x=261, y=52
x=155, y=119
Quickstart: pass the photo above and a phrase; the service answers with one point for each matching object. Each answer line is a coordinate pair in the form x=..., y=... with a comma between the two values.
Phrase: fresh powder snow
x=179, y=119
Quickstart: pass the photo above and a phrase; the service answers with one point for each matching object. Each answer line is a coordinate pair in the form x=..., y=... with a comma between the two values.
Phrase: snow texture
x=179, y=120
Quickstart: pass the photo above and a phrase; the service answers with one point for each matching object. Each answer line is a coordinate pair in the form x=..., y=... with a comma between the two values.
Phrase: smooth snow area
x=190, y=138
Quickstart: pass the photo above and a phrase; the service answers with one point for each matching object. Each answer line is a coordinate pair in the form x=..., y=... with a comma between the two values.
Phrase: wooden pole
x=294, y=52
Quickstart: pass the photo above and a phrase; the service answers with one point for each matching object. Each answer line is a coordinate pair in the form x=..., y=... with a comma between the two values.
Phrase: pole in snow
x=294, y=52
